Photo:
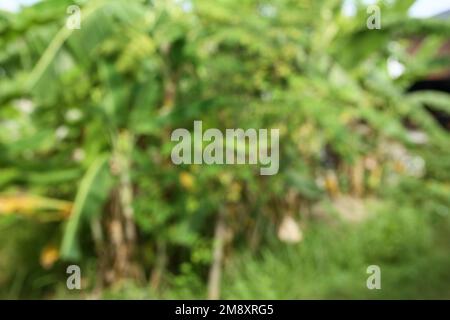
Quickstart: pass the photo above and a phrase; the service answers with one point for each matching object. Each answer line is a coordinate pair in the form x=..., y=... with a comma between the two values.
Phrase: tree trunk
x=215, y=272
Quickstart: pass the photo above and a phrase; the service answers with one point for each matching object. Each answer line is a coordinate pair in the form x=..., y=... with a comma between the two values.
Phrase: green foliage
x=92, y=193
x=86, y=116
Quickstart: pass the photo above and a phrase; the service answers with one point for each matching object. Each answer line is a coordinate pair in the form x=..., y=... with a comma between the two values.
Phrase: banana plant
x=86, y=117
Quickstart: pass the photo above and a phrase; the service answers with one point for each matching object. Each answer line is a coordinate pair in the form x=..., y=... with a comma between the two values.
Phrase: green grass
x=410, y=244
x=410, y=247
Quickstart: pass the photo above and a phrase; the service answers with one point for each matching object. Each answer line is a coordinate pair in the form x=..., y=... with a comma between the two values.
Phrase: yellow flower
x=49, y=256
x=187, y=180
